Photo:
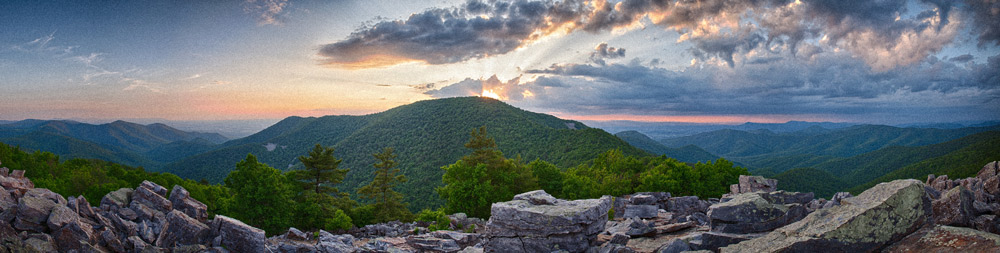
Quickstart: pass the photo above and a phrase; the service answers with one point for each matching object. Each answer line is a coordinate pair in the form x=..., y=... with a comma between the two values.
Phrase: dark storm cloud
x=834, y=84
x=986, y=16
x=603, y=51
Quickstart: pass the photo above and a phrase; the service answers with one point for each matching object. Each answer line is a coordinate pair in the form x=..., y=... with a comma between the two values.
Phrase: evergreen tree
x=317, y=199
x=388, y=204
x=321, y=172
x=260, y=196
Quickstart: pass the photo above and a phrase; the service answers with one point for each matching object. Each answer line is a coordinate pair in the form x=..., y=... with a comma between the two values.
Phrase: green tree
x=320, y=173
x=483, y=177
x=261, y=195
x=388, y=204
x=318, y=200
x=548, y=176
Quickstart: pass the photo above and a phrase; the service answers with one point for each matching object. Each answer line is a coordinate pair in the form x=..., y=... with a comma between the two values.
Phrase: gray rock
x=947, y=239
x=111, y=241
x=6, y=200
x=73, y=236
x=687, y=205
x=238, y=236
x=147, y=197
x=674, y=246
x=521, y=226
x=639, y=228
x=181, y=200
x=335, y=247
x=700, y=218
x=60, y=216
x=877, y=218
x=179, y=229
x=40, y=243
x=754, y=184
x=753, y=213
x=641, y=211
x=144, y=212
x=429, y=243
x=987, y=223
x=714, y=240
x=83, y=208
x=147, y=231
x=783, y=197
x=295, y=234
x=119, y=198
x=643, y=199
x=954, y=208
x=620, y=239
x=539, y=197
x=159, y=190
x=837, y=197
x=34, y=207
x=136, y=244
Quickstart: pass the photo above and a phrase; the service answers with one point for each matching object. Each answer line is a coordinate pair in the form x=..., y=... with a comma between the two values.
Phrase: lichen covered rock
x=874, y=219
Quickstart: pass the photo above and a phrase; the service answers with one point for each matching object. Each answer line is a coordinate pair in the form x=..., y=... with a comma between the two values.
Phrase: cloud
x=962, y=58
x=603, y=51
x=724, y=30
x=986, y=16
x=831, y=85
x=267, y=12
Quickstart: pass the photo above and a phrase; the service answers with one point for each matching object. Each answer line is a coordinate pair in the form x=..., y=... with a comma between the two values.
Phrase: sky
x=713, y=61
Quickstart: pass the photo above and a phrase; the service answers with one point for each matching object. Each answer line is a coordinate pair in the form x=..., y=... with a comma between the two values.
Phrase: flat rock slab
x=536, y=222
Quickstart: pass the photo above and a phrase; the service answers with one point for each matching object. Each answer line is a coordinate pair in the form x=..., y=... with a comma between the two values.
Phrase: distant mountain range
x=426, y=135
x=778, y=152
x=139, y=145
x=959, y=158
x=688, y=154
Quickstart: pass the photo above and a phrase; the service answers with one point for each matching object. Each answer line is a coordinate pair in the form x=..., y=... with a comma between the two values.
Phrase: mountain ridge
x=426, y=135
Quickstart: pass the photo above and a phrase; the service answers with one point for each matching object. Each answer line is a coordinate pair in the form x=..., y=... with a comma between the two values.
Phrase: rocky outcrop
x=537, y=222
x=875, y=219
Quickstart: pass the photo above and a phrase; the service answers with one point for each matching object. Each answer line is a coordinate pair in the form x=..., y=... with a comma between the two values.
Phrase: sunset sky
x=888, y=62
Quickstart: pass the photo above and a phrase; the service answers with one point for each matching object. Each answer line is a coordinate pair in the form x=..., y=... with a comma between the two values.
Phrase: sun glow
x=491, y=94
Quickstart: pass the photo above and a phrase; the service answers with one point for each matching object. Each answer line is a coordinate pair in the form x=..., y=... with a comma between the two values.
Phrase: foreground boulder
x=181, y=230
x=873, y=220
x=537, y=222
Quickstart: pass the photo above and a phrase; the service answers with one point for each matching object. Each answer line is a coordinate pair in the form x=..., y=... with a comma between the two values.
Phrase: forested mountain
x=138, y=145
x=426, y=135
x=689, y=153
x=956, y=158
x=778, y=152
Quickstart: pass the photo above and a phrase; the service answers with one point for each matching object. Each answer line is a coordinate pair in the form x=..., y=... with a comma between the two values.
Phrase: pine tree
x=321, y=172
x=317, y=199
x=388, y=204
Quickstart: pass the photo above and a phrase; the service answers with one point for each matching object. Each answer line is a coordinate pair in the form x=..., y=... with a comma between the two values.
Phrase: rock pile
x=128, y=220
x=899, y=216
